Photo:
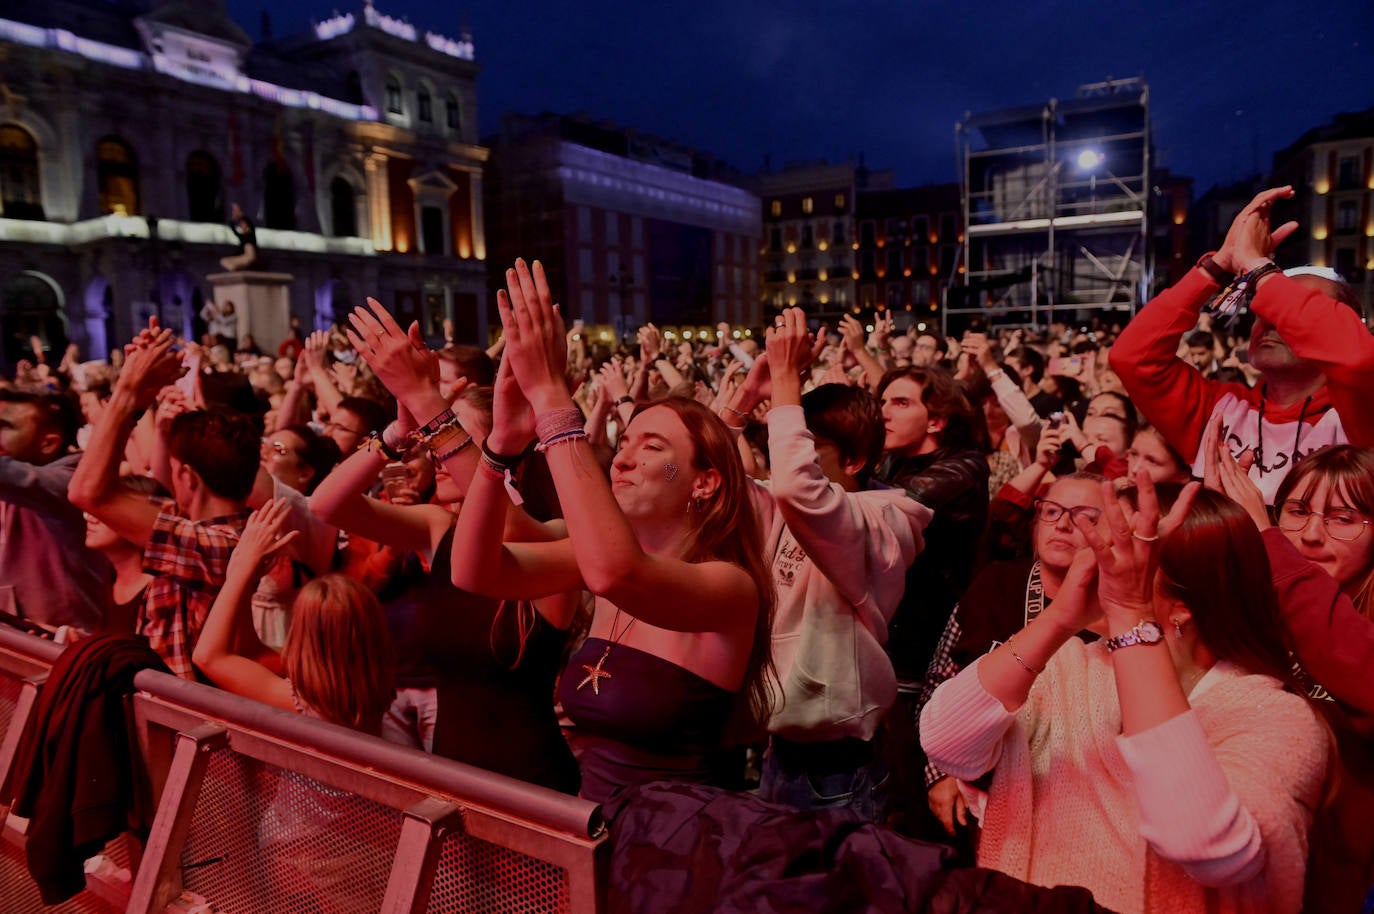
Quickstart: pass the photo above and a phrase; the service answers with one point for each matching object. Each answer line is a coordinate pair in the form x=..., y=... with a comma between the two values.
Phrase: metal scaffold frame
x=1056, y=205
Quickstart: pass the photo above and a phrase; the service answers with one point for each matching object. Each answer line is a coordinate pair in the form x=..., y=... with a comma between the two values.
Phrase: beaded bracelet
x=454, y=451
x=568, y=437
x=557, y=421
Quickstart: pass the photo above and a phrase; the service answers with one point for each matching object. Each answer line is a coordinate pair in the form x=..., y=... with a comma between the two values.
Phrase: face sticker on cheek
x=670, y=471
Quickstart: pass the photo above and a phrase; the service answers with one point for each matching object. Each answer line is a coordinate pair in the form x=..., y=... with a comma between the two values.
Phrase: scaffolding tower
x=1056, y=210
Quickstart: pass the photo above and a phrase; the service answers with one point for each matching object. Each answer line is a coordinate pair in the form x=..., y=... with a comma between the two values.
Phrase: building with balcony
x=1331, y=168
x=128, y=128
x=906, y=249
x=630, y=228
x=1057, y=206
x=809, y=244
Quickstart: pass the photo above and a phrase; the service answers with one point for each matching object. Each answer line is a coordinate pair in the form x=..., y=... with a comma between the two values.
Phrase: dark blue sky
x=1230, y=82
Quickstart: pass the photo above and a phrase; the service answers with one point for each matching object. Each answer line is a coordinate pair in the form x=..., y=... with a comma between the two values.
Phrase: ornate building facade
x=129, y=128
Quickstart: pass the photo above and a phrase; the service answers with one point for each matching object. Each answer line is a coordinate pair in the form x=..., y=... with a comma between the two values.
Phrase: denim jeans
x=795, y=783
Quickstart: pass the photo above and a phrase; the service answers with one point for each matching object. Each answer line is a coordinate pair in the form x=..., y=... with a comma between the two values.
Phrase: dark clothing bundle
x=690, y=848
x=75, y=774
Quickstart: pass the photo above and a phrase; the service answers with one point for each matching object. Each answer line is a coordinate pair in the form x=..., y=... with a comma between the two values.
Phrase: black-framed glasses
x=1049, y=512
x=1341, y=523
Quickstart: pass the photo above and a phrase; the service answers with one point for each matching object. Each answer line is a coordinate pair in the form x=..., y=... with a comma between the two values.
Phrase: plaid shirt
x=187, y=560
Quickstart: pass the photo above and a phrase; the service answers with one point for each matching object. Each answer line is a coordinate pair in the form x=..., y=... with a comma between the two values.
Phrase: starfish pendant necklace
x=596, y=673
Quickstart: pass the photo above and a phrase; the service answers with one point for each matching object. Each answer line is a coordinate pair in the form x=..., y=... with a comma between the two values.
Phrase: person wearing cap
x=1309, y=343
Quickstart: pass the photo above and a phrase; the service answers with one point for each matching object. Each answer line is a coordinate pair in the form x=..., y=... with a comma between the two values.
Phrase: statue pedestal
x=262, y=302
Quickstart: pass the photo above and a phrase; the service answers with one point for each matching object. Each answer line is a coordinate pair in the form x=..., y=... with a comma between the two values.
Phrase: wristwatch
x=1146, y=632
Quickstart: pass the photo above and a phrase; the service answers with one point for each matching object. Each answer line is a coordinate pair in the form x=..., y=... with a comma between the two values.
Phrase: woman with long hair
x=337, y=663
x=1169, y=766
x=1321, y=550
x=669, y=546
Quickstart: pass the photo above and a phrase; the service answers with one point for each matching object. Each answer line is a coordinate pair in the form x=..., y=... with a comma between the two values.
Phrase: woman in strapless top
x=668, y=545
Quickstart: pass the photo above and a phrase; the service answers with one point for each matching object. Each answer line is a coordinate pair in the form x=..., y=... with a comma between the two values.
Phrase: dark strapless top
x=652, y=721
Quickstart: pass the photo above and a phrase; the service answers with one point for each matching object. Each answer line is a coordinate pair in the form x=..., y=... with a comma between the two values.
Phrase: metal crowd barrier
x=262, y=810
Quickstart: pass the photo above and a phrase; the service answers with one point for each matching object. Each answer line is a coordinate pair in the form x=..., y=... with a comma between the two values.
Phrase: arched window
x=394, y=105
x=21, y=196
x=204, y=202
x=31, y=305
x=278, y=197
x=453, y=112
x=353, y=88
x=342, y=209
x=116, y=177
x=424, y=107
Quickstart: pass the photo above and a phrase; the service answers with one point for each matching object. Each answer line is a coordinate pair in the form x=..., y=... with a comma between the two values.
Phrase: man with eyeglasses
x=1309, y=342
x=353, y=421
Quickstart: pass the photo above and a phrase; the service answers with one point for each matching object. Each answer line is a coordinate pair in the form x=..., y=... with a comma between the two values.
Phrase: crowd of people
x=1095, y=605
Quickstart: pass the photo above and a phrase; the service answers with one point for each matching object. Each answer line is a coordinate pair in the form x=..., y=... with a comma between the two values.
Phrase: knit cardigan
x=1207, y=812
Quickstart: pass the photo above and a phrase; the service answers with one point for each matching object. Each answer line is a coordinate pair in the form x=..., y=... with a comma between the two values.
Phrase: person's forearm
x=339, y=495
x=1009, y=671
x=873, y=372
x=98, y=472
x=478, y=557
x=222, y=627
x=325, y=389
x=671, y=376
x=294, y=408
x=639, y=390
x=1028, y=481
x=1146, y=680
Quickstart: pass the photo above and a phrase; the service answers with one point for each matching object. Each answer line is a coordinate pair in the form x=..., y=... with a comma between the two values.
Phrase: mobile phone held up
x=395, y=478
x=1068, y=366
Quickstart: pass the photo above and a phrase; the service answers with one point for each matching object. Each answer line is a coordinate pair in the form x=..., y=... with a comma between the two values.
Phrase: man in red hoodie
x=1309, y=342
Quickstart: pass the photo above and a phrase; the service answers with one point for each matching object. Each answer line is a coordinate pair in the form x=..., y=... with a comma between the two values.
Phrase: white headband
x=1319, y=272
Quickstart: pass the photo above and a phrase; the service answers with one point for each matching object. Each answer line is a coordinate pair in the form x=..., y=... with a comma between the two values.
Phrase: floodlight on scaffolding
x=1090, y=159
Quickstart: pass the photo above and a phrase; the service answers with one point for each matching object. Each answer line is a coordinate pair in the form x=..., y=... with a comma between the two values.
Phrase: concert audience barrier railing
x=264, y=810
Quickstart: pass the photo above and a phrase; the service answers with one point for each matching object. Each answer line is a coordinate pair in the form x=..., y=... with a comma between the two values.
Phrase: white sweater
x=1207, y=812
x=839, y=564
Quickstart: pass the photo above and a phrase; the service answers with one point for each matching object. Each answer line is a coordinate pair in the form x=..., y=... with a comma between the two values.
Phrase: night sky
x=1230, y=82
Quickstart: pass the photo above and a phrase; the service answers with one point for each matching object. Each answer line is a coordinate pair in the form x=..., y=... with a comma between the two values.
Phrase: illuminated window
x=776, y=208
x=839, y=202
x=116, y=177
x=393, y=96
x=808, y=205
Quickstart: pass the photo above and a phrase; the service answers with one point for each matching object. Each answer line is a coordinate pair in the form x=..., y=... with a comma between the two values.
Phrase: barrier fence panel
x=264, y=810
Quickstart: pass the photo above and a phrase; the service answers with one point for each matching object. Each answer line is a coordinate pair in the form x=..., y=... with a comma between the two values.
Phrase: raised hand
x=150, y=364
x=789, y=346
x=512, y=425
x=650, y=343
x=1249, y=239
x=536, y=344
x=399, y=358
x=613, y=378
x=1124, y=544
x=852, y=332
x=261, y=537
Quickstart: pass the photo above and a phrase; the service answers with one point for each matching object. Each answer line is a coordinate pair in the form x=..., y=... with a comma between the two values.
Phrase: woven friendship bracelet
x=556, y=422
